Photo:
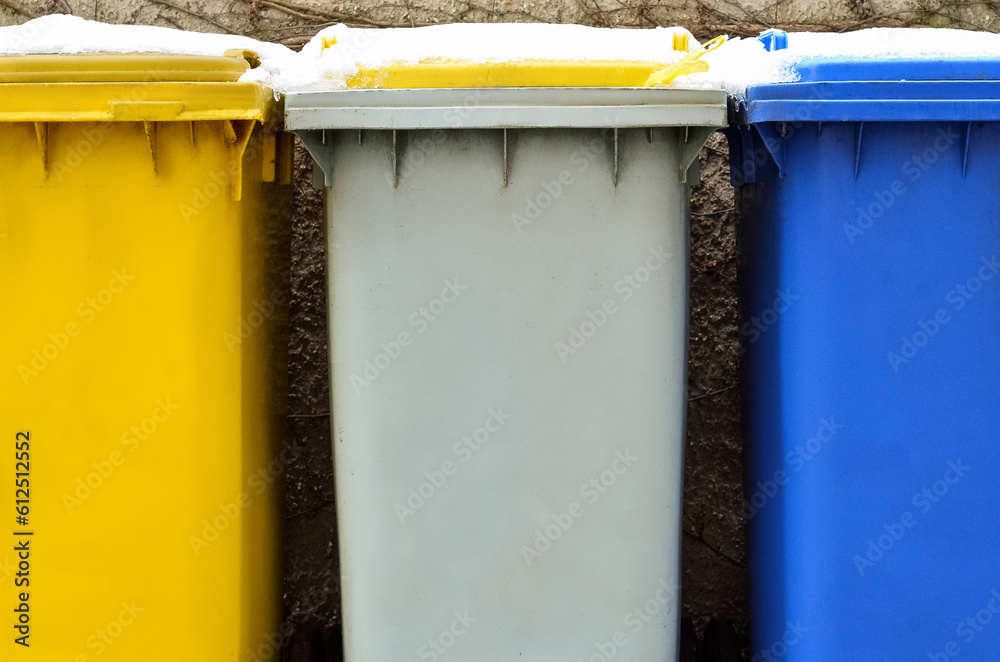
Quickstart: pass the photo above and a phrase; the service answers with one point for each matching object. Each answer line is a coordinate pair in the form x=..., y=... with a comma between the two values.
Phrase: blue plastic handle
x=774, y=39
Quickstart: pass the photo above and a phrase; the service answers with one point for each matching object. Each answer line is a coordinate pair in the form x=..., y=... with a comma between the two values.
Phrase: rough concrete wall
x=292, y=21
x=312, y=580
x=714, y=572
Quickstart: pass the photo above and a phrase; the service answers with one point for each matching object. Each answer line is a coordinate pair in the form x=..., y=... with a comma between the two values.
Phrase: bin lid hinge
x=237, y=136
x=319, y=143
x=42, y=136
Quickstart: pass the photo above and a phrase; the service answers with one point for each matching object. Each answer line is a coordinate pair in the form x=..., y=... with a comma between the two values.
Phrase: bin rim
x=505, y=108
x=873, y=101
x=897, y=69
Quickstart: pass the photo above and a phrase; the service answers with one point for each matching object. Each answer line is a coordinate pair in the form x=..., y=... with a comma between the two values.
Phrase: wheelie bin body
x=869, y=245
x=508, y=317
x=142, y=254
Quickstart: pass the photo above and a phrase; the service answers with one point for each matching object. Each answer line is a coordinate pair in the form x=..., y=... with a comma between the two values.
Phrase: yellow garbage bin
x=142, y=253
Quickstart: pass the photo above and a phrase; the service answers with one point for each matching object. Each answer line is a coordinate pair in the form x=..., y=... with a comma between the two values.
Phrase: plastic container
x=508, y=317
x=457, y=73
x=869, y=261
x=142, y=253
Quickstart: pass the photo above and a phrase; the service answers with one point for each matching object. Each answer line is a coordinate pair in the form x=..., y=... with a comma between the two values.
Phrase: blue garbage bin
x=869, y=193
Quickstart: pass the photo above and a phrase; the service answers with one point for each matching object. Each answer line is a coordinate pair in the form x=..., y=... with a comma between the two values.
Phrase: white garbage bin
x=508, y=320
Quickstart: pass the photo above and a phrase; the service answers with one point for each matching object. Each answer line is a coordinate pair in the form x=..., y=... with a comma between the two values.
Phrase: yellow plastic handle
x=244, y=54
x=689, y=64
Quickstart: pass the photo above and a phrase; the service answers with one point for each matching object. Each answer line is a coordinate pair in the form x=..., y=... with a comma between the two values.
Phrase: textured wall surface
x=714, y=571
x=292, y=21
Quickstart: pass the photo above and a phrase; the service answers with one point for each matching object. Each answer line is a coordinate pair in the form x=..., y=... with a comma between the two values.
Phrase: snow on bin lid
x=878, y=75
x=875, y=54
x=897, y=55
x=493, y=55
x=64, y=68
x=163, y=47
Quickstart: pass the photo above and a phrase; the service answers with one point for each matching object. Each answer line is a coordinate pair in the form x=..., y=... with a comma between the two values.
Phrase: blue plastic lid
x=896, y=69
x=878, y=89
x=818, y=69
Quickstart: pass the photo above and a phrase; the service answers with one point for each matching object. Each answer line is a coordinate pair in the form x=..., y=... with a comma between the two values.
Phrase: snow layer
x=741, y=63
x=326, y=68
x=336, y=52
x=70, y=34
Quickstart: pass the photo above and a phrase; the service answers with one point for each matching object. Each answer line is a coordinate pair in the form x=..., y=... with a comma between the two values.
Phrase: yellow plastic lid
x=523, y=73
x=449, y=73
x=121, y=67
x=132, y=87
